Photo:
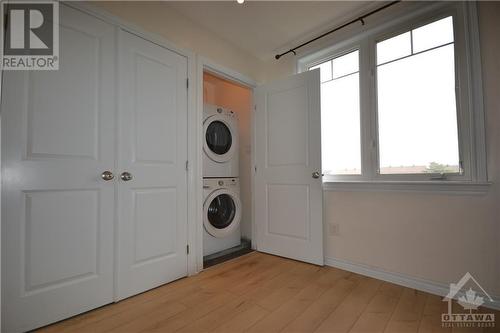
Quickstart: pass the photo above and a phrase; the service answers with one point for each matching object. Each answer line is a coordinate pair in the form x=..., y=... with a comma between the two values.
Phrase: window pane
x=433, y=34
x=340, y=126
x=417, y=114
x=394, y=48
x=325, y=70
x=346, y=64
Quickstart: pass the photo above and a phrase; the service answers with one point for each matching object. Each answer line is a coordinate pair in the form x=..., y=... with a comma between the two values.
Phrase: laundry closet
x=226, y=169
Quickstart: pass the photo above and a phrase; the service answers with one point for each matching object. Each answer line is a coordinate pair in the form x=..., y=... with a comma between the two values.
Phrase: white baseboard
x=431, y=287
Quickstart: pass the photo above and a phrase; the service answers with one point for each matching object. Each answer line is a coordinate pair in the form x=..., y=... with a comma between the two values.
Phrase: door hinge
x=255, y=168
x=187, y=249
x=187, y=83
x=187, y=165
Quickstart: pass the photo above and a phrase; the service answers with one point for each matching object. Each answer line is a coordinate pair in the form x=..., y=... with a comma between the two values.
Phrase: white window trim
x=469, y=99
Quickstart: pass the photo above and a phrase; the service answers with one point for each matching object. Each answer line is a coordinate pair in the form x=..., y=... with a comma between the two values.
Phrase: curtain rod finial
x=277, y=57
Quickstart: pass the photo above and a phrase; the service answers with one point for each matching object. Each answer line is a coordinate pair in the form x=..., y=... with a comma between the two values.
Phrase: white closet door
x=288, y=189
x=152, y=206
x=57, y=212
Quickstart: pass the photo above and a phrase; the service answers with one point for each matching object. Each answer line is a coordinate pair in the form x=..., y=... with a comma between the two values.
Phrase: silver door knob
x=315, y=174
x=107, y=175
x=126, y=176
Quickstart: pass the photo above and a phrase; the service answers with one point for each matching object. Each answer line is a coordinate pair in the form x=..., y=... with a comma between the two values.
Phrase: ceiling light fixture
x=240, y=1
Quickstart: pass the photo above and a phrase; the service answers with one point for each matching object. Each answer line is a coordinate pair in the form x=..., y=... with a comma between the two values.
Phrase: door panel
x=288, y=147
x=152, y=211
x=288, y=200
x=50, y=120
x=60, y=228
x=155, y=230
x=57, y=212
x=287, y=220
x=155, y=92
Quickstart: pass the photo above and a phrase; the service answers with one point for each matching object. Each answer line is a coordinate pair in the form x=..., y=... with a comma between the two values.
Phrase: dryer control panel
x=213, y=183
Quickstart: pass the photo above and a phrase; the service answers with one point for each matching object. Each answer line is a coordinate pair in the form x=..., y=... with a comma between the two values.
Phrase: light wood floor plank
x=246, y=301
x=431, y=319
x=264, y=293
x=408, y=313
x=290, y=287
x=322, y=280
x=319, y=310
x=218, y=317
x=243, y=320
x=379, y=310
x=348, y=312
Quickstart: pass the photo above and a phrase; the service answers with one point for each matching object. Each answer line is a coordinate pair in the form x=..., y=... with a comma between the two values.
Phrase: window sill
x=435, y=187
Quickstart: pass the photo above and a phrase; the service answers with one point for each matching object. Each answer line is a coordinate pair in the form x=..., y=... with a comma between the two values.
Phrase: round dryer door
x=221, y=213
x=219, y=139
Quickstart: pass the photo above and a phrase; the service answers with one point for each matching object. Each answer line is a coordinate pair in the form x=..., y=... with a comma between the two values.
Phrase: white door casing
x=288, y=199
x=152, y=146
x=57, y=212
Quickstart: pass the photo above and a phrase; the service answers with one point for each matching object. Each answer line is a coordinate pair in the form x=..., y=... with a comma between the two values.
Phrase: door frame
x=204, y=64
x=192, y=116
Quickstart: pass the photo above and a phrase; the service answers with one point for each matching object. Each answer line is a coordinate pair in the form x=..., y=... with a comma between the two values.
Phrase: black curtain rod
x=360, y=19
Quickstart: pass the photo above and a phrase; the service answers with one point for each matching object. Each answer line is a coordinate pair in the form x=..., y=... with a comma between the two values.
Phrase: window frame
x=346, y=49
x=469, y=99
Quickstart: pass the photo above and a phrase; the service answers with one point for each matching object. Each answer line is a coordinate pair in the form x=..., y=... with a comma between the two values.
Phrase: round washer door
x=219, y=140
x=221, y=213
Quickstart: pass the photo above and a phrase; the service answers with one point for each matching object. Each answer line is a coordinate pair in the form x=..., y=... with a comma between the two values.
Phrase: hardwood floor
x=264, y=293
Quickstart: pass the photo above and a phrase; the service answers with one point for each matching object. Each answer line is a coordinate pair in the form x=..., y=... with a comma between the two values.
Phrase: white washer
x=221, y=214
x=220, y=142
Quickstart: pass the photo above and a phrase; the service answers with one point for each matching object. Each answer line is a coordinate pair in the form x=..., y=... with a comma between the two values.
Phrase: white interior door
x=57, y=212
x=288, y=189
x=152, y=206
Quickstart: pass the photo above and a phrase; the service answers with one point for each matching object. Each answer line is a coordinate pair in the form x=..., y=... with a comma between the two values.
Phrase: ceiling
x=264, y=28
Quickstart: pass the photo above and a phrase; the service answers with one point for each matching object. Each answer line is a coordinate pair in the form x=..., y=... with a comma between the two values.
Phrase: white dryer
x=220, y=142
x=221, y=214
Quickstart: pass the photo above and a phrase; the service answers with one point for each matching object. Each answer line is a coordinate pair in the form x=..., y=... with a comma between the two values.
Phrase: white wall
x=158, y=17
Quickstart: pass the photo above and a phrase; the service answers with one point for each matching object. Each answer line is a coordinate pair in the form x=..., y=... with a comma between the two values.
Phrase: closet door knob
x=107, y=175
x=315, y=174
x=126, y=176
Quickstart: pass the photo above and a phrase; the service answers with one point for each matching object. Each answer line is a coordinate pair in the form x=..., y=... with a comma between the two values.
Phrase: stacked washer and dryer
x=221, y=187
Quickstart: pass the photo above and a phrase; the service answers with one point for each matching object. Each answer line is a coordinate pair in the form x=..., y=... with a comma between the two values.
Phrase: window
x=417, y=114
x=398, y=102
x=340, y=132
